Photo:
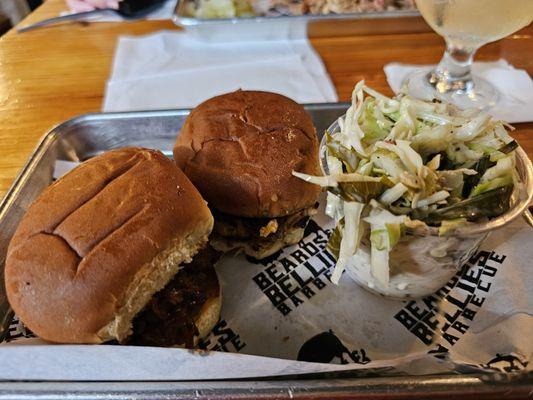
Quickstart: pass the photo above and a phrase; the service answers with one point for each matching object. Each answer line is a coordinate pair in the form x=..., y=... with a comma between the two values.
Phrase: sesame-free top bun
x=240, y=148
x=98, y=243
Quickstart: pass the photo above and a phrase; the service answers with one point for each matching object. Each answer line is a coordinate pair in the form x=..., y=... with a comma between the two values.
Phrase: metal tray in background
x=83, y=137
x=298, y=26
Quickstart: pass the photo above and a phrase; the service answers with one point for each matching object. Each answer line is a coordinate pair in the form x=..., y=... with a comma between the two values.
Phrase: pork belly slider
x=239, y=149
x=116, y=250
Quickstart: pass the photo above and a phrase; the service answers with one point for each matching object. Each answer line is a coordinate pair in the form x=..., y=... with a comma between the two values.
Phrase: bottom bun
x=150, y=279
x=258, y=249
x=208, y=318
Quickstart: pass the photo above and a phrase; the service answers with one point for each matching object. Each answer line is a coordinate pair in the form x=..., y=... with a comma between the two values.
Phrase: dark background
x=34, y=3
x=5, y=23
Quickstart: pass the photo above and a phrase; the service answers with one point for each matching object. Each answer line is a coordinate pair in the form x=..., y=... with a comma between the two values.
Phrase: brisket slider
x=239, y=149
x=116, y=250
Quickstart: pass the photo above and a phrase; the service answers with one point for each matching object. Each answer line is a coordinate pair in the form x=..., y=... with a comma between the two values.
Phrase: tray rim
x=416, y=386
x=179, y=17
x=409, y=387
x=58, y=129
x=55, y=132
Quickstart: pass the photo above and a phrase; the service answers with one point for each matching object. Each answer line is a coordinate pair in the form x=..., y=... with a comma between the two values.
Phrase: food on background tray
x=239, y=149
x=208, y=9
x=399, y=167
x=120, y=241
x=247, y=8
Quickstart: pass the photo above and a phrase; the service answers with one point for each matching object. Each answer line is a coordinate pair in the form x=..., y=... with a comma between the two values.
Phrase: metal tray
x=85, y=136
x=88, y=135
x=296, y=26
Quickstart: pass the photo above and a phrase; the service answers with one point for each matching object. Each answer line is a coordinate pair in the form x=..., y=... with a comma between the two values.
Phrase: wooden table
x=49, y=75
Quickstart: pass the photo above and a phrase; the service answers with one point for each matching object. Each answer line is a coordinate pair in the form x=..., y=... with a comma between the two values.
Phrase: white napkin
x=515, y=87
x=174, y=70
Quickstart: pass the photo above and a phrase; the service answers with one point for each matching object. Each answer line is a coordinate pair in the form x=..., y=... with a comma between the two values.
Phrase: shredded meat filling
x=169, y=318
x=262, y=229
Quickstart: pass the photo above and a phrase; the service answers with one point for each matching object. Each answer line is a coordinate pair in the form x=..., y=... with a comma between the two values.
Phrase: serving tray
x=88, y=135
x=85, y=136
x=300, y=26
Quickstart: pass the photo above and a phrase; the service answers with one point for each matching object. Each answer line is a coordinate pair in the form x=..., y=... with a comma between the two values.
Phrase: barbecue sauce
x=169, y=318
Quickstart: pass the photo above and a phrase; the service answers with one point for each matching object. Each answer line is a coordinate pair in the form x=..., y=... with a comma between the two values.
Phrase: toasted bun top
x=240, y=149
x=79, y=253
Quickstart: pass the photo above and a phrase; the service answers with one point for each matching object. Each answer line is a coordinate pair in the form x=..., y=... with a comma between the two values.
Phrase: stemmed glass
x=466, y=25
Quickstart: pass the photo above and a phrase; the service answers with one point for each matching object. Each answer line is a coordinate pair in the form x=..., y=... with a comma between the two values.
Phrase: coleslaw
x=400, y=165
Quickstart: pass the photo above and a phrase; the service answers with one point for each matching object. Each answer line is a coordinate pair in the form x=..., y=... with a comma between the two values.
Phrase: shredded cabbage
x=447, y=226
x=492, y=184
x=434, y=198
x=393, y=194
x=333, y=202
x=503, y=167
x=397, y=162
x=385, y=231
x=350, y=237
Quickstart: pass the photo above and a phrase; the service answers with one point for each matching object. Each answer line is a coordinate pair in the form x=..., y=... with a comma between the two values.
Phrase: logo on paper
x=17, y=330
x=442, y=318
x=295, y=275
x=326, y=347
x=222, y=338
x=507, y=362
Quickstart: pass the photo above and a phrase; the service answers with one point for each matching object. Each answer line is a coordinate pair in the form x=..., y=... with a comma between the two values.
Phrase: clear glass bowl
x=423, y=262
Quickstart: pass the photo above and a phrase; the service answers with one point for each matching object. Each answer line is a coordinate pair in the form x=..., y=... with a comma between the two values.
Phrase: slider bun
x=239, y=149
x=98, y=243
x=208, y=317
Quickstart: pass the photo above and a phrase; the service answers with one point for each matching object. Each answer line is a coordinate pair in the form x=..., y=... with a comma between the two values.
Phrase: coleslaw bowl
x=422, y=261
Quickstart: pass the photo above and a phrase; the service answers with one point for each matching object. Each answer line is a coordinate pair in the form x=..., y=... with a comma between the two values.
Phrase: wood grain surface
x=53, y=74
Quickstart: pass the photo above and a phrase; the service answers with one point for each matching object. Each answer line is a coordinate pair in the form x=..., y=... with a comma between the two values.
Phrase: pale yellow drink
x=472, y=23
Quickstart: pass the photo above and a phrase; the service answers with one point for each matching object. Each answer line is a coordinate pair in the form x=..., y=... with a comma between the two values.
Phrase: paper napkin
x=174, y=70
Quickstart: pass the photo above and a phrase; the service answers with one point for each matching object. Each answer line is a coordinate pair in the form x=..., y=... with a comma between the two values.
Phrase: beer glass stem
x=454, y=70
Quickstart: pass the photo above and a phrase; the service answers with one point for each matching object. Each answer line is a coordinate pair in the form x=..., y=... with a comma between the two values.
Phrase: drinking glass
x=466, y=25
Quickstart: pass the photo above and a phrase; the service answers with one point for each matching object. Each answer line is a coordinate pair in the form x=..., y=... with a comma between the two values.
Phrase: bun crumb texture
x=240, y=148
